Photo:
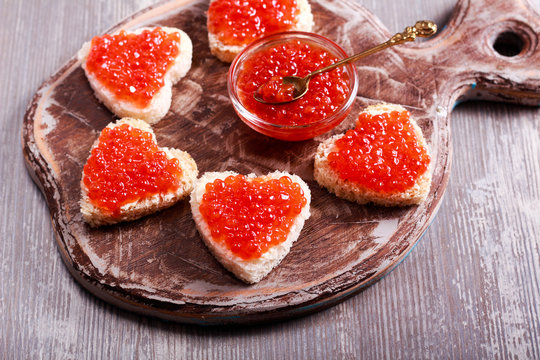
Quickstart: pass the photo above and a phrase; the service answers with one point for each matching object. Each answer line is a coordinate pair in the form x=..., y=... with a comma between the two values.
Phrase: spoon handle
x=421, y=28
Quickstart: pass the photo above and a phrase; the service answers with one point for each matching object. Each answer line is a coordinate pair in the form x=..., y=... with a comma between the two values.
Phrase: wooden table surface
x=470, y=288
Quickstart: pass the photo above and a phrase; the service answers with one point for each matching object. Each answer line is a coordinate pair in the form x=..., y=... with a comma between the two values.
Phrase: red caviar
x=133, y=66
x=126, y=166
x=239, y=22
x=275, y=91
x=382, y=153
x=251, y=215
x=327, y=91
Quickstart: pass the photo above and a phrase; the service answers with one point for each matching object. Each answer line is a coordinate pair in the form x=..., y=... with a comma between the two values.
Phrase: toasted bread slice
x=326, y=176
x=226, y=52
x=161, y=102
x=95, y=216
x=253, y=270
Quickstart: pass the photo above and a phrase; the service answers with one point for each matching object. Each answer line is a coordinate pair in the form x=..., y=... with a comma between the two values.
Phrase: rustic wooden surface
x=469, y=289
x=159, y=265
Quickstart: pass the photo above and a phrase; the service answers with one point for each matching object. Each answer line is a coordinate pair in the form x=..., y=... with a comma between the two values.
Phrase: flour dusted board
x=158, y=265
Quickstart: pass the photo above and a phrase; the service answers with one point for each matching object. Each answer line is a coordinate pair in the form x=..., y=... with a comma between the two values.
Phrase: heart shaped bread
x=132, y=72
x=232, y=25
x=249, y=223
x=384, y=160
x=127, y=176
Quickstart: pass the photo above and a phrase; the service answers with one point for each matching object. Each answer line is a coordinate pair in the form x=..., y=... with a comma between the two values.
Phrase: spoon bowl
x=290, y=88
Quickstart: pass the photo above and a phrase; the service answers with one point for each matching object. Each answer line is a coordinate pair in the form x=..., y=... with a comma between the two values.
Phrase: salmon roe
x=382, y=153
x=276, y=91
x=126, y=166
x=327, y=91
x=251, y=215
x=133, y=66
x=239, y=22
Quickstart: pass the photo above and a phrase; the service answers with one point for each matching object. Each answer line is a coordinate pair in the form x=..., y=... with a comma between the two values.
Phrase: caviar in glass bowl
x=327, y=102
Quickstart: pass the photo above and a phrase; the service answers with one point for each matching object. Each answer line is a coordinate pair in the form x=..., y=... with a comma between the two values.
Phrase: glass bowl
x=291, y=132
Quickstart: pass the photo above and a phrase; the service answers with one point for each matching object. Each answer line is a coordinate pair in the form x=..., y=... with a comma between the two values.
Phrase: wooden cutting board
x=159, y=265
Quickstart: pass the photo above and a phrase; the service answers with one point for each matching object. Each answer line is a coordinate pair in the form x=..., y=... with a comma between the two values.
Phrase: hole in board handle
x=509, y=44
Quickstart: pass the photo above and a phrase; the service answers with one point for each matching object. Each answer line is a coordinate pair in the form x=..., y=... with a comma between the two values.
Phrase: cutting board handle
x=489, y=50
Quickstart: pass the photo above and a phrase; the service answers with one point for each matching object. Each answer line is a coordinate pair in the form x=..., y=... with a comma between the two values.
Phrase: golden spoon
x=300, y=85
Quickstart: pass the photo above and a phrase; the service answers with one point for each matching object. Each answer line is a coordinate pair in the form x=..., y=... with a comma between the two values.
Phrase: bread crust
x=249, y=271
x=94, y=216
x=227, y=52
x=161, y=102
x=328, y=178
